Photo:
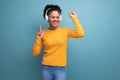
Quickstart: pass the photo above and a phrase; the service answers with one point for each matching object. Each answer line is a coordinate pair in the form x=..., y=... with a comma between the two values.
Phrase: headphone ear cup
x=46, y=17
x=60, y=17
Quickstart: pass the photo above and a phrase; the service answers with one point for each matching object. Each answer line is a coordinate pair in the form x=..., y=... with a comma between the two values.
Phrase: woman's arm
x=37, y=46
x=79, y=32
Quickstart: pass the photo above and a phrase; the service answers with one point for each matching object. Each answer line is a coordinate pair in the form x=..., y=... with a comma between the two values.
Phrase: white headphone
x=46, y=16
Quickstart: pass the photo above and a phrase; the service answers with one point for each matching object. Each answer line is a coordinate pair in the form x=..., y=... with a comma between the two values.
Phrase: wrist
x=37, y=36
x=74, y=17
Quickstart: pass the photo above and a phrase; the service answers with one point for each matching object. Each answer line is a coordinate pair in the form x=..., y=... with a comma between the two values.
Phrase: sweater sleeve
x=79, y=32
x=36, y=48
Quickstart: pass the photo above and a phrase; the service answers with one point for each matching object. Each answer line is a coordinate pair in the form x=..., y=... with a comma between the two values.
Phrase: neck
x=52, y=28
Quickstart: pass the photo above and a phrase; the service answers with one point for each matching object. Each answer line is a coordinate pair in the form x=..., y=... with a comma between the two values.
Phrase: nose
x=57, y=18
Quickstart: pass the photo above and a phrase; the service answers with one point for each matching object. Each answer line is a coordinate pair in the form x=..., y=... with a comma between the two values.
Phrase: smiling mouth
x=55, y=23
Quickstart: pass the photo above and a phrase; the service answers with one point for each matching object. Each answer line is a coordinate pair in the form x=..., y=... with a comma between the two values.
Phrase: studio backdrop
x=94, y=57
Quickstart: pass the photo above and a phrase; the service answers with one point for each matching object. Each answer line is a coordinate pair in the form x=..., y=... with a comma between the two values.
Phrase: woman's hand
x=40, y=33
x=72, y=14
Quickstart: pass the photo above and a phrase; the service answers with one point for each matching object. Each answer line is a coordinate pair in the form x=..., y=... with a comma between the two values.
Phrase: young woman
x=55, y=40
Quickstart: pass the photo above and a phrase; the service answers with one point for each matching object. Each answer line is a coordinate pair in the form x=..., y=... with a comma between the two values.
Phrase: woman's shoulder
x=63, y=27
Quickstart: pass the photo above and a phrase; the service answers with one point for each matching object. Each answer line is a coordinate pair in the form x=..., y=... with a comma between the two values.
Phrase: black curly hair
x=50, y=7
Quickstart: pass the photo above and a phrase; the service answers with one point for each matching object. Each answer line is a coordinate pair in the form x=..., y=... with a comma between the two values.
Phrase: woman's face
x=54, y=19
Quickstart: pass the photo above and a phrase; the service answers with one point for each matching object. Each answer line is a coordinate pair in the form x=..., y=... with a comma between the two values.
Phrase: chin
x=55, y=26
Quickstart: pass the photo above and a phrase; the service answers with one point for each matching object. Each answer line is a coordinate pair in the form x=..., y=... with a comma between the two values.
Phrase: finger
x=74, y=13
x=40, y=28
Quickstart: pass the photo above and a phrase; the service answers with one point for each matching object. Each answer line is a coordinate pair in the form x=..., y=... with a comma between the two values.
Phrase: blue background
x=94, y=57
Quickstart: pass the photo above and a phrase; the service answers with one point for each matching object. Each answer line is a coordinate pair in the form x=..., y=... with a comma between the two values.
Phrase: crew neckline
x=53, y=29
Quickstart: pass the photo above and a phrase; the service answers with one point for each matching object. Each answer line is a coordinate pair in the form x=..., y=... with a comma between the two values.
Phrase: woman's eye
x=53, y=17
x=58, y=17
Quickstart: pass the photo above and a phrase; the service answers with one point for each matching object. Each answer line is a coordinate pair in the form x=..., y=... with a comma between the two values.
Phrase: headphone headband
x=47, y=11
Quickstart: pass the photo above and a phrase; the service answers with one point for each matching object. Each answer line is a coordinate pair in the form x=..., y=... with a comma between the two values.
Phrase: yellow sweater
x=55, y=42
